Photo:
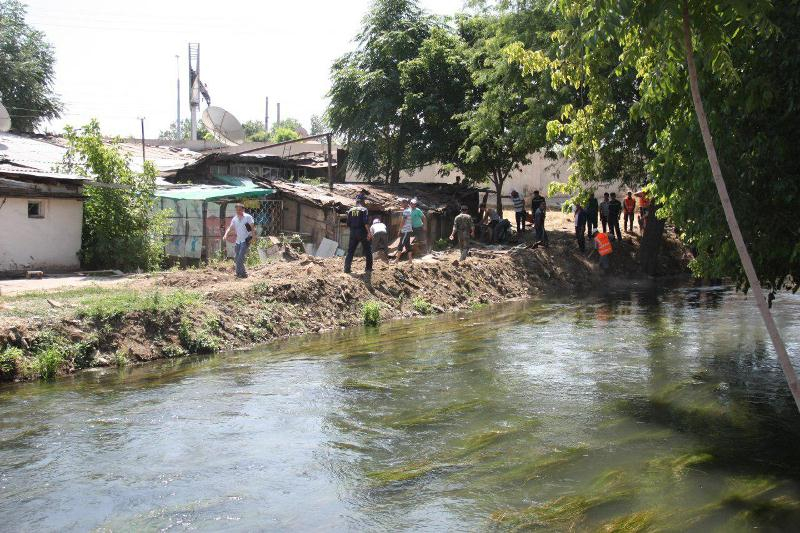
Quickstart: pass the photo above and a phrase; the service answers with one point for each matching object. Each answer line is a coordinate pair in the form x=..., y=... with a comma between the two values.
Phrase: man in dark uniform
x=358, y=222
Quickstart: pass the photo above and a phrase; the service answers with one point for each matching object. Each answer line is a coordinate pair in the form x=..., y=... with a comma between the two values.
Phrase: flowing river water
x=628, y=411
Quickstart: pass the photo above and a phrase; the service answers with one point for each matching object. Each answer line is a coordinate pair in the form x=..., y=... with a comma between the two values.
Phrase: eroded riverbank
x=204, y=310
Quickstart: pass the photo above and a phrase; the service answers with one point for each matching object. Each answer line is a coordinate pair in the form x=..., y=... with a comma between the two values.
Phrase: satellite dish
x=5, y=119
x=224, y=126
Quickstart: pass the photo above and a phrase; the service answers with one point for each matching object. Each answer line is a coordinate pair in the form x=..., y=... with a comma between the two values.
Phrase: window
x=35, y=209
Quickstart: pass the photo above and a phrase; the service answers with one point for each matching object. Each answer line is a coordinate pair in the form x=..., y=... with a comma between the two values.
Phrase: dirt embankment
x=203, y=310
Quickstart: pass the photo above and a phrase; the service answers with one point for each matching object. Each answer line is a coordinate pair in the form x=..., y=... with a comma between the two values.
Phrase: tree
x=281, y=134
x=251, y=128
x=366, y=98
x=26, y=70
x=506, y=121
x=120, y=229
x=186, y=131
x=318, y=125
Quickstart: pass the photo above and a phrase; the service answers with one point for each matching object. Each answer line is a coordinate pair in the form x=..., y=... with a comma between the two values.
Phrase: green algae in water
x=354, y=384
x=408, y=472
x=532, y=470
x=677, y=466
x=436, y=415
x=568, y=512
x=638, y=522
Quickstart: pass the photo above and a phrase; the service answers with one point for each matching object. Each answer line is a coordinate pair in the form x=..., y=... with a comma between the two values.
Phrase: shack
x=41, y=219
x=199, y=214
x=317, y=212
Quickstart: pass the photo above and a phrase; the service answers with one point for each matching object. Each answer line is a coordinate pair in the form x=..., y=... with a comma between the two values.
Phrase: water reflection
x=623, y=411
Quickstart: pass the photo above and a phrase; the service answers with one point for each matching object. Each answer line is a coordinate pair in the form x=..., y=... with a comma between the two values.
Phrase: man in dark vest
x=358, y=222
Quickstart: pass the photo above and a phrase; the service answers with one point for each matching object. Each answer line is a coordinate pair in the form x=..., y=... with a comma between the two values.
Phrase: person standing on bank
x=604, y=212
x=358, y=222
x=418, y=222
x=603, y=247
x=464, y=228
x=245, y=228
x=580, y=227
x=380, y=237
x=614, y=210
x=591, y=215
x=629, y=204
x=519, y=211
x=406, y=230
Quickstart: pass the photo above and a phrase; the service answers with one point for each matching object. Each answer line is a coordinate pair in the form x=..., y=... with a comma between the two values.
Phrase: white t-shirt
x=239, y=224
x=407, y=228
x=378, y=227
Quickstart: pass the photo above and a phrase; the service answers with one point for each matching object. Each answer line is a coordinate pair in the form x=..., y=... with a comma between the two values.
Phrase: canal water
x=629, y=411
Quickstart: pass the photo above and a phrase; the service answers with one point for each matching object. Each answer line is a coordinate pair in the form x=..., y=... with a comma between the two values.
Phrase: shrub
x=8, y=361
x=119, y=359
x=171, y=350
x=48, y=361
x=441, y=244
x=422, y=306
x=371, y=311
x=197, y=340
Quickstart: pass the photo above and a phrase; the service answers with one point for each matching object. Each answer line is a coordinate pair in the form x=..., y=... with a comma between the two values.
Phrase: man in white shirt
x=245, y=228
x=406, y=231
x=380, y=236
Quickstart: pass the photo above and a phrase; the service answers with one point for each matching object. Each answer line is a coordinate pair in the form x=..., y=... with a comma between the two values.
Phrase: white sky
x=116, y=60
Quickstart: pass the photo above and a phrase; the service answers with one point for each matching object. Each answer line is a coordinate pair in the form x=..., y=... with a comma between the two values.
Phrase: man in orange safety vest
x=603, y=246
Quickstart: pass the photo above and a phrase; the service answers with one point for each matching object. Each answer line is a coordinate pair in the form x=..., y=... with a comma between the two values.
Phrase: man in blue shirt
x=358, y=222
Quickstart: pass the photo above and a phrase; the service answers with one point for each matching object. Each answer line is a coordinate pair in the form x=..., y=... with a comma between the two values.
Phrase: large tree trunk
x=733, y=224
x=650, y=247
x=498, y=181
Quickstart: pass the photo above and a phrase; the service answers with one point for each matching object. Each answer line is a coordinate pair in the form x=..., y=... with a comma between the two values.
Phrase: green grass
x=119, y=303
x=422, y=306
x=371, y=312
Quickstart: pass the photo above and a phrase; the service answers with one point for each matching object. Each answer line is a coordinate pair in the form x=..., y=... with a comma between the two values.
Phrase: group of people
x=365, y=234
x=539, y=210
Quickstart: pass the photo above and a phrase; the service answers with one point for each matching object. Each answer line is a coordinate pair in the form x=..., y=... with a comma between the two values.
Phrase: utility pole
x=278, y=122
x=143, y=156
x=178, y=135
x=330, y=162
x=266, y=115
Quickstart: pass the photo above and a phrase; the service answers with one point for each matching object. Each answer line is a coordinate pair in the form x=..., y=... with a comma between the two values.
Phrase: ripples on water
x=629, y=412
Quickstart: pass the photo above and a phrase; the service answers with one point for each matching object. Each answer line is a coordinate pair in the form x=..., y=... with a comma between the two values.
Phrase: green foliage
x=120, y=228
x=260, y=137
x=252, y=127
x=371, y=312
x=319, y=125
x=634, y=118
x=120, y=359
x=197, y=340
x=421, y=305
x=27, y=70
x=186, y=131
x=441, y=244
x=8, y=361
x=48, y=361
x=114, y=304
x=282, y=134
x=366, y=96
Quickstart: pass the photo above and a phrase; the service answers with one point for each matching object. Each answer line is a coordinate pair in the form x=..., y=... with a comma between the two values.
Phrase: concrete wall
x=49, y=243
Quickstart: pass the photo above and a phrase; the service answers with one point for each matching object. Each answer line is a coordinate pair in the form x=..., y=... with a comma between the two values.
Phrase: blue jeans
x=240, y=254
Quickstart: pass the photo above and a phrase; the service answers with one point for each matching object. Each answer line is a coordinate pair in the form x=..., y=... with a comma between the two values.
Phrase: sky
x=115, y=61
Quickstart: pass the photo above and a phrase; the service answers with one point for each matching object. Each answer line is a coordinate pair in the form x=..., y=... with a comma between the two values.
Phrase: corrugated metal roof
x=30, y=152
x=214, y=192
x=28, y=174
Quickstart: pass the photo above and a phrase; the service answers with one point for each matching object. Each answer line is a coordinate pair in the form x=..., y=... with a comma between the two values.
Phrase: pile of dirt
x=300, y=294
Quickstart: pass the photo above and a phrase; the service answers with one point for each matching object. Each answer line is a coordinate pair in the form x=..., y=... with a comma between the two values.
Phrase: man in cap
x=464, y=228
x=519, y=211
x=245, y=228
x=380, y=236
x=358, y=222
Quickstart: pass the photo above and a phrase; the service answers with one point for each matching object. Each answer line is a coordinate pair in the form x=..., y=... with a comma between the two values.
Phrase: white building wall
x=49, y=243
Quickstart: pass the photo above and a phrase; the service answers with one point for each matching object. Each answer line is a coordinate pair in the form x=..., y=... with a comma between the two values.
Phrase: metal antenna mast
x=178, y=135
x=194, y=86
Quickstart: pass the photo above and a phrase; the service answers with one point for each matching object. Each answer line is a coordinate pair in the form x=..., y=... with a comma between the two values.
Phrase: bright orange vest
x=602, y=243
